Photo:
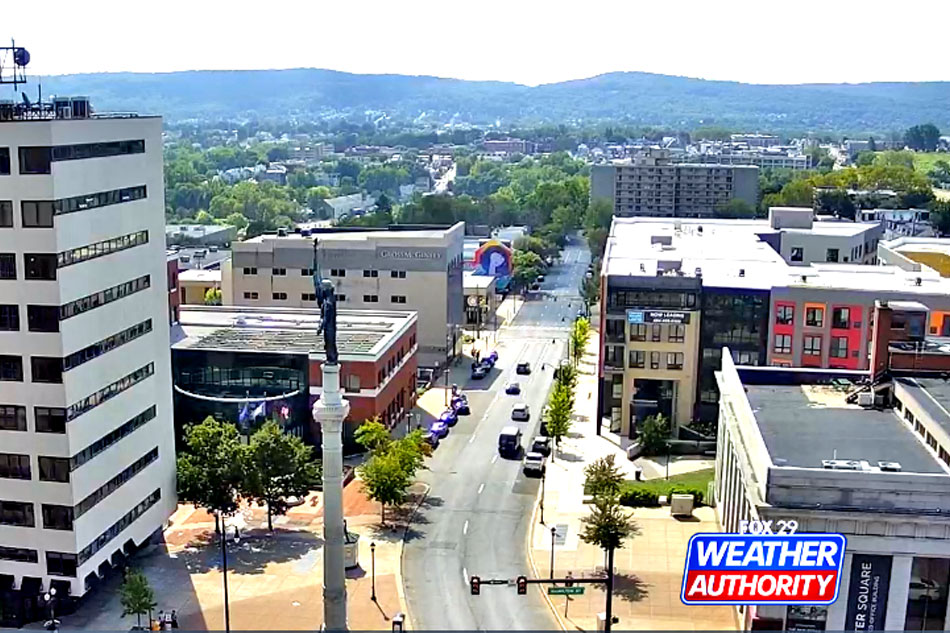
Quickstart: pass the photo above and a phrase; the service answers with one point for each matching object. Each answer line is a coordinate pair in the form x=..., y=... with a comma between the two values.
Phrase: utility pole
x=610, y=590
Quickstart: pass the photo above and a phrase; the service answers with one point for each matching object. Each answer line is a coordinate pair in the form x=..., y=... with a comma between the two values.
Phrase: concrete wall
x=745, y=184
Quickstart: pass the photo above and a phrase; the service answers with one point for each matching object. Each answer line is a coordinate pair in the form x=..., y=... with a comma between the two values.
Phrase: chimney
x=880, y=338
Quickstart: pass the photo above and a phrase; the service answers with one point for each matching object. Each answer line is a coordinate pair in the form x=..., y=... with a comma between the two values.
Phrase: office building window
x=17, y=513
x=57, y=517
x=7, y=266
x=371, y=273
x=107, y=345
x=637, y=359
x=831, y=255
x=39, y=266
x=103, y=297
x=638, y=332
x=783, y=344
x=106, y=537
x=654, y=360
x=37, y=214
x=785, y=315
x=88, y=201
x=677, y=333
x=839, y=347
x=111, y=438
x=340, y=298
x=279, y=296
x=674, y=360
x=42, y=318
x=370, y=298
x=657, y=333
x=338, y=272
x=101, y=249
x=35, y=160
x=59, y=564
x=397, y=274
x=812, y=346
x=115, y=483
x=50, y=419
x=798, y=254
x=12, y=417
x=97, y=150
x=306, y=272
x=19, y=555
x=46, y=369
x=250, y=270
x=14, y=466
x=11, y=368
x=107, y=393
x=280, y=272
x=250, y=295
x=54, y=469
x=4, y=161
x=308, y=296
x=840, y=318
x=814, y=317
x=398, y=299
x=6, y=214
x=9, y=318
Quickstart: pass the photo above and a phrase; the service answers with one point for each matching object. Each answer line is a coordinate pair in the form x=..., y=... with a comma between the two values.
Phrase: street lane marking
x=464, y=576
x=481, y=488
x=471, y=439
x=494, y=459
x=465, y=528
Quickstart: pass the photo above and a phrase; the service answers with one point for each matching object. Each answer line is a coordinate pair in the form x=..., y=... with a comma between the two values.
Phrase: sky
x=525, y=41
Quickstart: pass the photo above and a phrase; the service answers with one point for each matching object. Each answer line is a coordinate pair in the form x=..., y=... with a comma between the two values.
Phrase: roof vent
x=281, y=232
x=699, y=229
x=918, y=281
x=804, y=279
x=890, y=467
x=699, y=271
x=742, y=272
x=844, y=464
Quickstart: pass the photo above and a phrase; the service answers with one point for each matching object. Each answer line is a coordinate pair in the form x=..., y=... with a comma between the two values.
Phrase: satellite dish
x=21, y=56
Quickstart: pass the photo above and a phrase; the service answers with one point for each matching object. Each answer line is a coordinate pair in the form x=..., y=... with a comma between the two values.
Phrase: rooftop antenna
x=13, y=62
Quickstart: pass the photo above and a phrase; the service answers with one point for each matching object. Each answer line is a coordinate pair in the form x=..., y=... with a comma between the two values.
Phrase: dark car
x=449, y=417
x=541, y=445
x=460, y=405
x=440, y=428
x=523, y=368
x=540, y=279
x=513, y=389
x=536, y=286
x=479, y=372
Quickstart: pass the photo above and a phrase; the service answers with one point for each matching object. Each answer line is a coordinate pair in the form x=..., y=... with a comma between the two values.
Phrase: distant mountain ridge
x=632, y=97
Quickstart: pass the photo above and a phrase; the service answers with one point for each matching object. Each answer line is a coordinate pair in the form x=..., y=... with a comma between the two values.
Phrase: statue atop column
x=326, y=296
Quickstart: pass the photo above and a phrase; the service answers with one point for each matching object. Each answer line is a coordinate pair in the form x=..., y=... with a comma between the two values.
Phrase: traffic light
x=522, y=585
x=475, y=584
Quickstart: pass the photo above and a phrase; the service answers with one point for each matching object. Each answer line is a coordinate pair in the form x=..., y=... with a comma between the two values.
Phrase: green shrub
x=639, y=498
x=689, y=490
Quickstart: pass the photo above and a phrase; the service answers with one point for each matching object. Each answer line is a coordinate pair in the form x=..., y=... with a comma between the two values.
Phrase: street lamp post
x=553, y=535
x=224, y=568
x=372, y=553
x=544, y=476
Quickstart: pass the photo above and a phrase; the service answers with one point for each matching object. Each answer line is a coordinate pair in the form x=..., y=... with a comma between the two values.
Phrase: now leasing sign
x=741, y=569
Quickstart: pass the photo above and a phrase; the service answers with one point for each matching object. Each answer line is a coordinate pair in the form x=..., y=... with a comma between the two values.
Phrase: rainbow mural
x=493, y=258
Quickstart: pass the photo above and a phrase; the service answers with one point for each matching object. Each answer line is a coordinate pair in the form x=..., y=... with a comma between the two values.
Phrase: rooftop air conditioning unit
x=281, y=232
x=865, y=399
x=842, y=464
x=890, y=467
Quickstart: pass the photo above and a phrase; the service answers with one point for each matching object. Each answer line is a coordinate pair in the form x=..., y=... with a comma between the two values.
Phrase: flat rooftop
x=395, y=231
x=804, y=424
x=730, y=254
x=209, y=259
x=472, y=281
x=360, y=333
x=933, y=394
x=197, y=275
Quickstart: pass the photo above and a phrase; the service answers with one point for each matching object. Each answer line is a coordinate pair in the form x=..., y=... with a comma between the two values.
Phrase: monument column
x=329, y=412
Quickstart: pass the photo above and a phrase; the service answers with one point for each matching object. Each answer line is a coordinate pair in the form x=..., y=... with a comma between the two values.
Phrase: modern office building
x=763, y=159
x=795, y=445
x=87, y=458
x=650, y=184
x=396, y=268
x=676, y=292
x=223, y=356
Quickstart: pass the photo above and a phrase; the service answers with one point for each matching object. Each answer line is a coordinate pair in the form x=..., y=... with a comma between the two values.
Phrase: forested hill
x=635, y=98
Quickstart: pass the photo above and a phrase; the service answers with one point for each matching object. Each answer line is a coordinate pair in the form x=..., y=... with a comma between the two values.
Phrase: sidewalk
x=649, y=568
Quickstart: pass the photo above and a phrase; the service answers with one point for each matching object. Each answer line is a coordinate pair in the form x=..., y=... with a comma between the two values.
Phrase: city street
x=477, y=517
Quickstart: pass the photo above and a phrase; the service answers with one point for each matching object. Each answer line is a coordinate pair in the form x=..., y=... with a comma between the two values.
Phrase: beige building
x=196, y=283
x=394, y=268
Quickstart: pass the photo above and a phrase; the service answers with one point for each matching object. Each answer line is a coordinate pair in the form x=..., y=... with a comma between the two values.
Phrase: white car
x=533, y=464
x=520, y=412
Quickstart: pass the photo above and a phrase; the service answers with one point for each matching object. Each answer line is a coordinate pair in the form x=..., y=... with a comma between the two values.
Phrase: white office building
x=87, y=455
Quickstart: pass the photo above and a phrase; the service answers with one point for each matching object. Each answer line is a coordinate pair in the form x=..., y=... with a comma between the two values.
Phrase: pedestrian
x=167, y=624
x=174, y=619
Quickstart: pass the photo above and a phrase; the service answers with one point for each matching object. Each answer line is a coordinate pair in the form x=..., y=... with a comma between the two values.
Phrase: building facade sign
x=867, y=594
x=657, y=316
x=410, y=253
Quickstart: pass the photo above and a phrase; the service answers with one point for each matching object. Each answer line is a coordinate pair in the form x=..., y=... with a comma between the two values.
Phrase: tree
x=136, y=596
x=203, y=217
x=736, y=208
x=558, y=412
x=372, y=435
x=383, y=203
x=527, y=267
x=213, y=297
x=603, y=478
x=599, y=214
x=835, y=202
x=385, y=480
x=236, y=220
x=590, y=290
x=864, y=158
x=211, y=467
x=922, y=137
x=608, y=524
x=940, y=216
x=280, y=465
x=939, y=174
x=580, y=333
x=654, y=434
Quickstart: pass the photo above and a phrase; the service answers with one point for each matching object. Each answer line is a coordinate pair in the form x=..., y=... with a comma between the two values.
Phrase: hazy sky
x=760, y=41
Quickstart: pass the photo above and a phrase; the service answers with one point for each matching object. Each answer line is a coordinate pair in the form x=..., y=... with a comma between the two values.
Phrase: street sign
x=565, y=591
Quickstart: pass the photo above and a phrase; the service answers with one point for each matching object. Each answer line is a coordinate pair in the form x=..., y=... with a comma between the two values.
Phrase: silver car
x=520, y=412
x=533, y=464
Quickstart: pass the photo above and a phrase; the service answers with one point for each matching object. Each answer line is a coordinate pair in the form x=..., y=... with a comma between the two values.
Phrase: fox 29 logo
x=767, y=568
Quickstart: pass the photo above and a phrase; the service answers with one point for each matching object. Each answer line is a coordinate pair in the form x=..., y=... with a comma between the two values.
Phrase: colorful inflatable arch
x=493, y=258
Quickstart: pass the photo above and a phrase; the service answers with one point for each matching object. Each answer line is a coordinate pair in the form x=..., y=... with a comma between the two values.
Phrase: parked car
x=460, y=405
x=509, y=441
x=541, y=445
x=523, y=368
x=449, y=417
x=533, y=464
x=536, y=286
x=921, y=588
x=440, y=428
x=513, y=388
x=479, y=372
x=521, y=412
x=540, y=279
x=431, y=439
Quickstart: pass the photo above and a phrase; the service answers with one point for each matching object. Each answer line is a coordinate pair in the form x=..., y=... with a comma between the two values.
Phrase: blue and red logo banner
x=751, y=569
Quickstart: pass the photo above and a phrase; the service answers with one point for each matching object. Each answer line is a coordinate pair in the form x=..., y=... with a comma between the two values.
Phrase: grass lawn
x=924, y=161
x=698, y=479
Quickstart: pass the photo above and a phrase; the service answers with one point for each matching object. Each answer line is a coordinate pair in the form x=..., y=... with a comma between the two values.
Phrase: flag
x=258, y=411
x=243, y=414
